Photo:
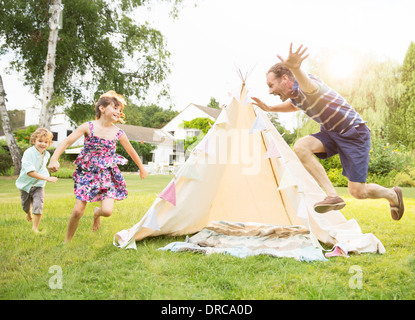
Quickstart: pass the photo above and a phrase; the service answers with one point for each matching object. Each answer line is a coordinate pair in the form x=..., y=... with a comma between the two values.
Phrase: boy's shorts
x=353, y=147
x=34, y=199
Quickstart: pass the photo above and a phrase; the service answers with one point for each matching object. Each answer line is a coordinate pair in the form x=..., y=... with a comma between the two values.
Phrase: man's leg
x=305, y=148
x=374, y=191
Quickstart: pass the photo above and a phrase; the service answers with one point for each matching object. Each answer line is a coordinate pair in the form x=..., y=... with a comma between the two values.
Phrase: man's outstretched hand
x=294, y=59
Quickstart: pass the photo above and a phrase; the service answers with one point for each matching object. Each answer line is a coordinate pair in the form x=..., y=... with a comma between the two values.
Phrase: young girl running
x=97, y=177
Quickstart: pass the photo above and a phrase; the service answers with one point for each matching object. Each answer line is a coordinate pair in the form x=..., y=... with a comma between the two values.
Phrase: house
x=164, y=153
x=61, y=126
x=175, y=126
x=168, y=151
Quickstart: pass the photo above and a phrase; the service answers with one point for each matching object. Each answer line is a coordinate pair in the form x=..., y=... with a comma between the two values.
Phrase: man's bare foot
x=29, y=216
x=97, y=220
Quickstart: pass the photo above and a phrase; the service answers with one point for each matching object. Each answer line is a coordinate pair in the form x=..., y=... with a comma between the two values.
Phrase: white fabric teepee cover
x=244, y=171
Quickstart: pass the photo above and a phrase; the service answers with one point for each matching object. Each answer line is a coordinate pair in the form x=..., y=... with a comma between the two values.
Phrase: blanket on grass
x=250, y=239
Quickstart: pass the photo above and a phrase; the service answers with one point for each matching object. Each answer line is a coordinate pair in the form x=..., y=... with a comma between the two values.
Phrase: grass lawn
x=93, y=268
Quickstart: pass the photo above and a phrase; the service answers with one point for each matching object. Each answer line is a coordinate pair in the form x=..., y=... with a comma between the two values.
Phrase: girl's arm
x=133, y=154
x=81, y=130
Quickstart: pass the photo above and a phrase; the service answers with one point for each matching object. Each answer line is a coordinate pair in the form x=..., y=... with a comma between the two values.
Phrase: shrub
x=63, y=173
x=404, y=180
x=9, y=172
x=336, y=177
x=383, y=180
x=331, y=163
x=23, y=135
x=5, y=163
x=143, y=149
x=385, y=157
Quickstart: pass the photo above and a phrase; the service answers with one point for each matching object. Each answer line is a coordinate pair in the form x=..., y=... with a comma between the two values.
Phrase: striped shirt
x=326, y=107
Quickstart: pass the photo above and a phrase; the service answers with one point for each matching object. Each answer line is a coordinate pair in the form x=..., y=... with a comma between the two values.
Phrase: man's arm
x=293, y=62
x=286, y=106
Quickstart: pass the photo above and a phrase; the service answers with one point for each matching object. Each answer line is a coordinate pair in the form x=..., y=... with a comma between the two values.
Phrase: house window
x=68, y=132
x=172, y=159
x=55, y=136
x=148, y=158
x=192, y=133
x=178, y=146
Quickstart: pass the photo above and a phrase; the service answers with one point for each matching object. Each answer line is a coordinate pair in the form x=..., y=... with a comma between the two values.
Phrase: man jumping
x=342, y=132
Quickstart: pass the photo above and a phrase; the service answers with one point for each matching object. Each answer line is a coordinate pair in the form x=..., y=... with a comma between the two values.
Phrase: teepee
x=243, y=171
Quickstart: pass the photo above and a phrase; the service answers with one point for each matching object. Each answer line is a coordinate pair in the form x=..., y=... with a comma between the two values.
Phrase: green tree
x=100, y=48
x=213, y=103
x=151, y=116
x=11, y=141
x=203, y=124
x=402, y=115
x=287, y=135
x=16, y=119
x=376, y=91
x=373, y=90
x=142, y=149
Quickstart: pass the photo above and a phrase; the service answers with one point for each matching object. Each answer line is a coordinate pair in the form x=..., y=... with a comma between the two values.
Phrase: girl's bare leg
x=107, y=205
x=76, y=215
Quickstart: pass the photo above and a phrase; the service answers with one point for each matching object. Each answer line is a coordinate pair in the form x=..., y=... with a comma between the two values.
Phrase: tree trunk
x=11, y=142
x=48, y=104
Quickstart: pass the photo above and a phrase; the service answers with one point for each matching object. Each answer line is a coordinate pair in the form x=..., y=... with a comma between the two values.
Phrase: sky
x=210, y=42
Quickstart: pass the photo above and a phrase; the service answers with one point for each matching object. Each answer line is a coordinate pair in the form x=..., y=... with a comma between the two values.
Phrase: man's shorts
x=353, y=147
x=34, y=199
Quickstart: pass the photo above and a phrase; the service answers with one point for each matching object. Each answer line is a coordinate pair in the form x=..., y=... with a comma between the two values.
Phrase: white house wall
x=162, y=154
x=60, y=125
x=189, y=113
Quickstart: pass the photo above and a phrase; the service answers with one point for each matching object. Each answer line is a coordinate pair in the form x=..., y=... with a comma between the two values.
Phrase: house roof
x=148, y=135
x=214, y=113
x=211, y=112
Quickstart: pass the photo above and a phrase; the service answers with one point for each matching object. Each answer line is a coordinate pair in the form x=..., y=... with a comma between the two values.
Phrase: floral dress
x=97, y=176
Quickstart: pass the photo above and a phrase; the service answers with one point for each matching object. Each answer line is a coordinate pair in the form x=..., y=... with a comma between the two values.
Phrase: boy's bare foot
x=97, y=220
x=29, y=216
